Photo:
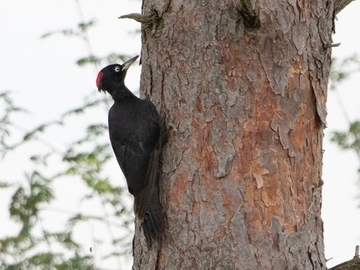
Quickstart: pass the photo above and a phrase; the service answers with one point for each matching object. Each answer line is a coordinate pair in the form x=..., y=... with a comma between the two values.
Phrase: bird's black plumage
x=134, y=129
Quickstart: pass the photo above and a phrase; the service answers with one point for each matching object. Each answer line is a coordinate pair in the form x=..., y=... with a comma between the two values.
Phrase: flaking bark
x=245, y=111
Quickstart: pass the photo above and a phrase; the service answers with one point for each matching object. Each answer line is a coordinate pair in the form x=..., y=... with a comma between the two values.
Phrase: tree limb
x=339, y=5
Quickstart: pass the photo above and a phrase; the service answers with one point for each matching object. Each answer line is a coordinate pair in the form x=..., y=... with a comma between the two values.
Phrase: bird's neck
x=122, y=93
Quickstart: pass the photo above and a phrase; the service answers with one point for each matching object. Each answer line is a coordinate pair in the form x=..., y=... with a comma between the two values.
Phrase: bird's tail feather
x=148, y=211
x=147, y=205
x=152, y=224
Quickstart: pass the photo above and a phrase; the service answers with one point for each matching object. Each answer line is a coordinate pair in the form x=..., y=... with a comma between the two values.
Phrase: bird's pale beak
x=129, y=62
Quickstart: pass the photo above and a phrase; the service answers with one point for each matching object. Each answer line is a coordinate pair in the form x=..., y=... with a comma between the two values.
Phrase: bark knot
x=251, y=18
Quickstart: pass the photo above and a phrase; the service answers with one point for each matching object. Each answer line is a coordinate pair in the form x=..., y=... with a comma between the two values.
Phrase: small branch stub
x=357, y=255
x=151, y=21
x=339, y=5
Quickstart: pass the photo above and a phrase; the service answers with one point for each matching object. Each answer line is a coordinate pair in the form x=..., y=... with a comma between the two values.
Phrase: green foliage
x=111, y=58
x=349, y=139
x=342, y=71
x=79, y=31
x=36, y=245
x=6, y=125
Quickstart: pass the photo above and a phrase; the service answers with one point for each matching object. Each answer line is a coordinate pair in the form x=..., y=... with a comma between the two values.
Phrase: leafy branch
x=342, y=71
x=83, y=160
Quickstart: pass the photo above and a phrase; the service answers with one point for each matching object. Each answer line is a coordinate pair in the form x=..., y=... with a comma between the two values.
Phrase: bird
x=135, y=136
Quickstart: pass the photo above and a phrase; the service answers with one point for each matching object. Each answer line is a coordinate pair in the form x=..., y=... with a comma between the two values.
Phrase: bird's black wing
x=135, y=138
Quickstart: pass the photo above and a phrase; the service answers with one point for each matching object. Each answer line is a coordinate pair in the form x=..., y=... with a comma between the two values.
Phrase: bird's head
x=112, y=76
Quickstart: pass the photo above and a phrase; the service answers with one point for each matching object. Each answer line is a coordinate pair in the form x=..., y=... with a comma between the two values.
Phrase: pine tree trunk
x=241, y=86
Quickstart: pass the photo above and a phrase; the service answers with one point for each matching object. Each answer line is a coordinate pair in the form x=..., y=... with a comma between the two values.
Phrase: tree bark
x=241, y=86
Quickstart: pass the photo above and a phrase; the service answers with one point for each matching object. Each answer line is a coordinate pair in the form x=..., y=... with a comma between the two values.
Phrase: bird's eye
x=117, y=69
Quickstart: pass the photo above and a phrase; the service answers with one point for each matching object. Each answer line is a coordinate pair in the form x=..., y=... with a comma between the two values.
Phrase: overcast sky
x=44, y=79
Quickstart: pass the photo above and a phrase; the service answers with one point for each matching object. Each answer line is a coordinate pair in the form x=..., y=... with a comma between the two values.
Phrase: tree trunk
x=241, y=86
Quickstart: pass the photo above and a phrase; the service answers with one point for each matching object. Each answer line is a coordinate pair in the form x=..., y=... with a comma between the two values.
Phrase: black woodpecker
x=134, y=128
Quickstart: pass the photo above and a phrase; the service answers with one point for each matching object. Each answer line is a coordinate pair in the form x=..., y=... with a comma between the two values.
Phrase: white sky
x=45, y=80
